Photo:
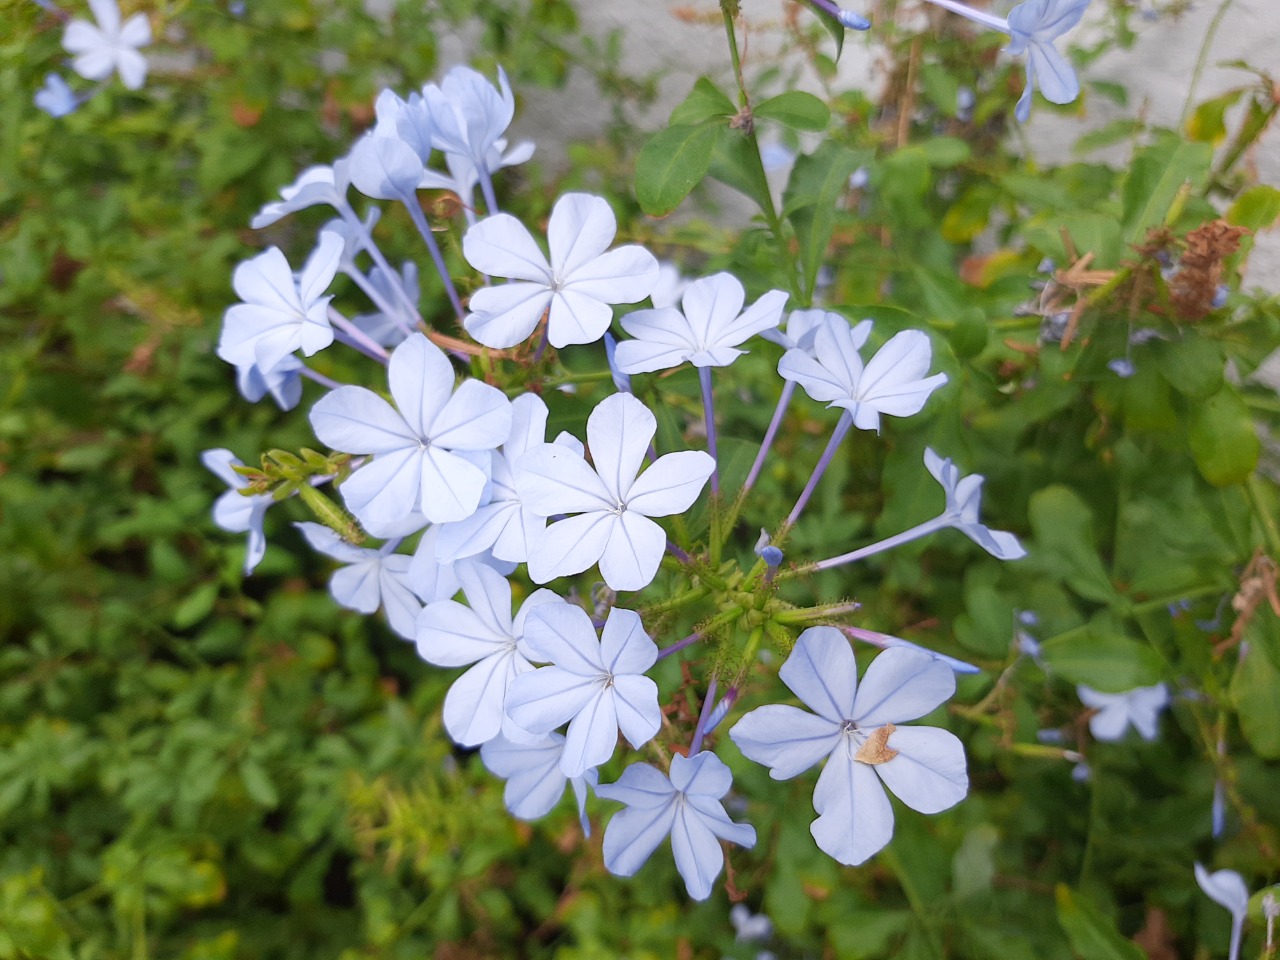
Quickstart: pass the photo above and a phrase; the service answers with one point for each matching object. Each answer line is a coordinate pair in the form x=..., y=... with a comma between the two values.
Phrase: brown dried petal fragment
x=876, y=748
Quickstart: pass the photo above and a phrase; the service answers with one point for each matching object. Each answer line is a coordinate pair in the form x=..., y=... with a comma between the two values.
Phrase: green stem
x=674, y=603
x=1201, y=60
x=1270, y=531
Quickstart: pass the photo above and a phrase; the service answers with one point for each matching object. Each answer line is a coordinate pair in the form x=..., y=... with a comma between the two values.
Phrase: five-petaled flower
x=109, y=46
x=613, y=503
x=1034, y=26
x=597, y=686
x=431, y=451
x=687, y=806
x=576, y=288
x=854, y=727
x=892, y=382
x=706, y=332
x=1116, y=712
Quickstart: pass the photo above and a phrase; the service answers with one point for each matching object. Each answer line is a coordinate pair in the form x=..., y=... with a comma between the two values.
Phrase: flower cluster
x=453, y=468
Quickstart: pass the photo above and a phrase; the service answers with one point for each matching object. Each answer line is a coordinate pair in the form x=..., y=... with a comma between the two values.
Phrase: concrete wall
x=684, y=39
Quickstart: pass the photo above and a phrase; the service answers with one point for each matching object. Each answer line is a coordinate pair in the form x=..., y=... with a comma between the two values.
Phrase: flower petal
x=634, y=833
x=592, y=735
x=473, y=707
x=625, y=647
x=786, y=739
x=632, y=553
x=543, y=699
x=387, y=489
x=901, y=684
x=500, y=246
x=855, y=819
x=421, y=380
x=552, y=479
x=929, y=773
x=570, y=546
x=671, y=484
x=636, y=706
x=822, y=672
x=356, y=420
x=576, y=318
x=476, y=417
x=619, y=431
x=561, y=633
x=624, y=275
x=697, y=852
x=504, y=315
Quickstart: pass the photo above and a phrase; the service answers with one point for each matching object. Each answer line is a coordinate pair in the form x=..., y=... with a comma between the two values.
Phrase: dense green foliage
x=197, y=765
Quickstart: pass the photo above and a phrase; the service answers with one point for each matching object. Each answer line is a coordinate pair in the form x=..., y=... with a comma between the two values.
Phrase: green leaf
x=1062, y=525
x=795, y=109
x=705, y=102
x=1099, y=656
x=1117, y=131
x=1193, y=365
x=1155, y=177
x=945, y=152
x=1223, y=439
x=1258, y=208
x=1093, y=935
x=1208, y=124
x=735, y=162
x=1253, y=693
x=671, y=164
x=817, y=181
x=258, y=784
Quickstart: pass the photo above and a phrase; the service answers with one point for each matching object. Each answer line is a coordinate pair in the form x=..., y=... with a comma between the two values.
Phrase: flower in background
x=1227, y=889
x=687, y=806
x=1034, y=26
x=369, y=578
x=235, y=512
x=280, y=314
x=109, y=46
x=854, y=727
x=1116, y=712
x=892, y=382
x=56, y=98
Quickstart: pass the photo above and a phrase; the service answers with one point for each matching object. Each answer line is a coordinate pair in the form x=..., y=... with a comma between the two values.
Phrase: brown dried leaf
x=876, y=749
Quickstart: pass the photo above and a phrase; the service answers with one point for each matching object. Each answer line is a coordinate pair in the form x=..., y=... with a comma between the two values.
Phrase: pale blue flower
x=685, y=806
x=235, y=512
x=964, y=501
x=706, y=331
x=892, y=382
x=535, y=782
x=1116, y=712
x=1034, y=26
x=1227, y=889
x=469, y=115
x=314, y=186
x=613, y=500
x=109, y=46
x=596, y=685
x=369, y=578
x=854, y=727
x=280, y=314
x=485, y=636
x=425, y=448
x=1122, y=367
x=575, y=288
x=56, y=98
x=283, y=382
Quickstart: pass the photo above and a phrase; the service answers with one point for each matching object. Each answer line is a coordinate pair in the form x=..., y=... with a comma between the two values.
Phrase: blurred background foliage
x=195, y=765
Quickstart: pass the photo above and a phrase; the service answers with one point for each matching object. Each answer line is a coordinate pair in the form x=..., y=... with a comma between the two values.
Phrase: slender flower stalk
x=784, y=399
x=486, y=187
x=721, y=709
x=362, y=233
x=897, y=540
x=353, y=336
x=367, y=287
x=708, y=406
x=424, y=228
x=700, y=730
x=842, y=428
x=977, y=16
x=320, y=378
x=679, y=645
